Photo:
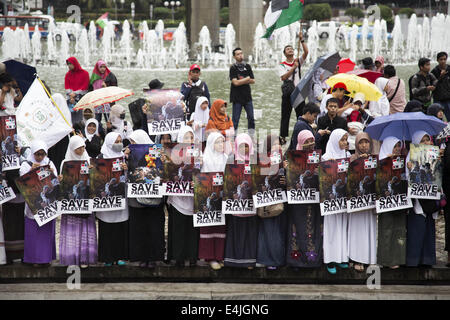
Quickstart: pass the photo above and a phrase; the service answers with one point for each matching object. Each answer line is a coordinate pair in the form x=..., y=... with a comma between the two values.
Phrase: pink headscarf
x=380, y=59
x=240, y=139
x=302, y=137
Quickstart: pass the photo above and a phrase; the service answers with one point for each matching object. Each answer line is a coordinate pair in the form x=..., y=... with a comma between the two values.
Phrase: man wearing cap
x=194, y=88
x=241, y=76
x=339, y=90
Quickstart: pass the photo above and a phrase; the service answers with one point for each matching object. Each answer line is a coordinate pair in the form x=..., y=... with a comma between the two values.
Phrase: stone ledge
x=19, y=273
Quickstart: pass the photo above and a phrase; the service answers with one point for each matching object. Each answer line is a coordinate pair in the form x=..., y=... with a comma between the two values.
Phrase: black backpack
x=196, y=91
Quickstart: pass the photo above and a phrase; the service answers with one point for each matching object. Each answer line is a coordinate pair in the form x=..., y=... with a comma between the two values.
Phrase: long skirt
x=272, y=240
x=183, y=237
x=211, y=245
x=335, y=238
x=304, y=236
x=146, y=233
x=2, y=242
x=112, y=241
x=39, y=246
x=391, y=249
x=78, y=240
x=421, y=240
x=241, y=241
x=362, y=237
x=447, y=225
x=14, y=228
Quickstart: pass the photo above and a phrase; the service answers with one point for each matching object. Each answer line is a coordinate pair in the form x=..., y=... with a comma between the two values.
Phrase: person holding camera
x=10, y=95
x=289, y=72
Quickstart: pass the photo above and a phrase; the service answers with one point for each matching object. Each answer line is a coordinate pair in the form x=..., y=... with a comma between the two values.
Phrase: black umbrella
x=328, y=63
x=22, y=73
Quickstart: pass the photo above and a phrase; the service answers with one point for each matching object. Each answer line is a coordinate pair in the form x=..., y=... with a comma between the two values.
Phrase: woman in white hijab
x=421, y=225
x=200, y=118
x=335, y=236
x=78, y=233
x=113, y=225
x=391, y=248
x=147, y=220
x=117, y=122
x=93, y=140
x=380, y=107
x=39, y=245
x=212, y=239
x=183, y=237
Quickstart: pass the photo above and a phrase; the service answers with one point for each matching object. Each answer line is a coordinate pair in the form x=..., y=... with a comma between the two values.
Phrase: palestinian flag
x=101, y=22
x=281, y=13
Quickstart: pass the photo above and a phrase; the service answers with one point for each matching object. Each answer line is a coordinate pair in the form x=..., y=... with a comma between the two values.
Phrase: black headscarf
x=434, y=109
x=413, y=106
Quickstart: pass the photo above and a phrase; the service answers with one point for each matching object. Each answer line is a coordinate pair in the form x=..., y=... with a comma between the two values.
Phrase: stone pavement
x=218, y=291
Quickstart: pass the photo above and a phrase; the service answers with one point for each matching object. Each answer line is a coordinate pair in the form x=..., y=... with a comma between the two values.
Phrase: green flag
x=281, y=18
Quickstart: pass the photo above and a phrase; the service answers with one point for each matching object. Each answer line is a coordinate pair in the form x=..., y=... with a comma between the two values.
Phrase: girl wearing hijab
x=93, y=140
x=99, y=74
x=183, y=237
x=379, y=64
x=362, y=225
x=200, y=118
x=146, y=221
x=305, y=223
x=78, y=233
x=437, y=111
x=113, y=225
x=39, y=246
x=335, y=236
x=76, y=83
x=211, y=246
x=242, y=230
x=272, y=230
x=382, y=106
x=391, y=248
x=421, y=226
x=218, y=119
x=117, y=123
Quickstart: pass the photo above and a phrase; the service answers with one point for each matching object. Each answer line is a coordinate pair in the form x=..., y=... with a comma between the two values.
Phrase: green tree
x=224, y=16
x=386, y=13
x=354, y=13
x=407, y=11
x=317, y=12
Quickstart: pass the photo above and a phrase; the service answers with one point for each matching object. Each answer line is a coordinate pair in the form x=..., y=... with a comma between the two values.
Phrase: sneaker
x=83, y=266
x=332, y=270
x=342, y=265
x=271, y=268
x=215, y=265
x=121, y=263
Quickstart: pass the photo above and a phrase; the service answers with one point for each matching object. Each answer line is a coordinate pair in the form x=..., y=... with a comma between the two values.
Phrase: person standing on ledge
x=289, y=72
x=241, y=76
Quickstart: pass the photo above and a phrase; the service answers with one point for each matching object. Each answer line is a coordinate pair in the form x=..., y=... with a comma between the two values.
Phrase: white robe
x=362, y=236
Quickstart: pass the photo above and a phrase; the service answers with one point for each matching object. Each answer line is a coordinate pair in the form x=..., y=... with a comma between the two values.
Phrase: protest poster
x=74, y=188
x=237, y=189
x=333, y=186
x=391, y=185
x=165, y=113
x=362, y=174
x=267, y=187
x=302, y=176
x=208, y=191
x=40, y=189
x=8, y=138
x=425, y=174
x=180, y=160
x=107, y=185
x=144, y=171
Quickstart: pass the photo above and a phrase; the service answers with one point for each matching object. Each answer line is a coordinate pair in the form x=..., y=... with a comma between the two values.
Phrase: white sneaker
x=215, y=265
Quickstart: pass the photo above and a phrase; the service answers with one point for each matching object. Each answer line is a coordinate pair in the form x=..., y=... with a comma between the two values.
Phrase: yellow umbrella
x=102, y=96
x=356, y=84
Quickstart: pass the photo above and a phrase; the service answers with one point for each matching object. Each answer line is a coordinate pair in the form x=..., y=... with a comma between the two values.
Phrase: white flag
x=37, y=117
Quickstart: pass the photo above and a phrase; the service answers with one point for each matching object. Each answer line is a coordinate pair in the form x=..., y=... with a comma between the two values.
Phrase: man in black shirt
x=329, y=122
x=441, y=94
x=241, y=76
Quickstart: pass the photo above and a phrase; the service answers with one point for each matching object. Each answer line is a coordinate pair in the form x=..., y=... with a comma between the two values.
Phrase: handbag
x=270, y=211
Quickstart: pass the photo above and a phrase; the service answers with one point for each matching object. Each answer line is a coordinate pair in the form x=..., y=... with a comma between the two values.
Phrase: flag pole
x=54, y=103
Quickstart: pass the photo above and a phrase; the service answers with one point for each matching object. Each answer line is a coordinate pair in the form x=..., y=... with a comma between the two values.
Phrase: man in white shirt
x=289, y=71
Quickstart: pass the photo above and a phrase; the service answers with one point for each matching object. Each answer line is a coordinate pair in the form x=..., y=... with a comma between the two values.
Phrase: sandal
x=359, y=267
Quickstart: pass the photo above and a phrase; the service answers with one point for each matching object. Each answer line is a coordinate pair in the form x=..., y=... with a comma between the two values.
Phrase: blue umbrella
x=403, y=125
x=328, y=63
x=22, y=73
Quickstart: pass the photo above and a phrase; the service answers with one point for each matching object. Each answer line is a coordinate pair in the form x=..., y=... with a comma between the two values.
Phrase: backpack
x=196, y=91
